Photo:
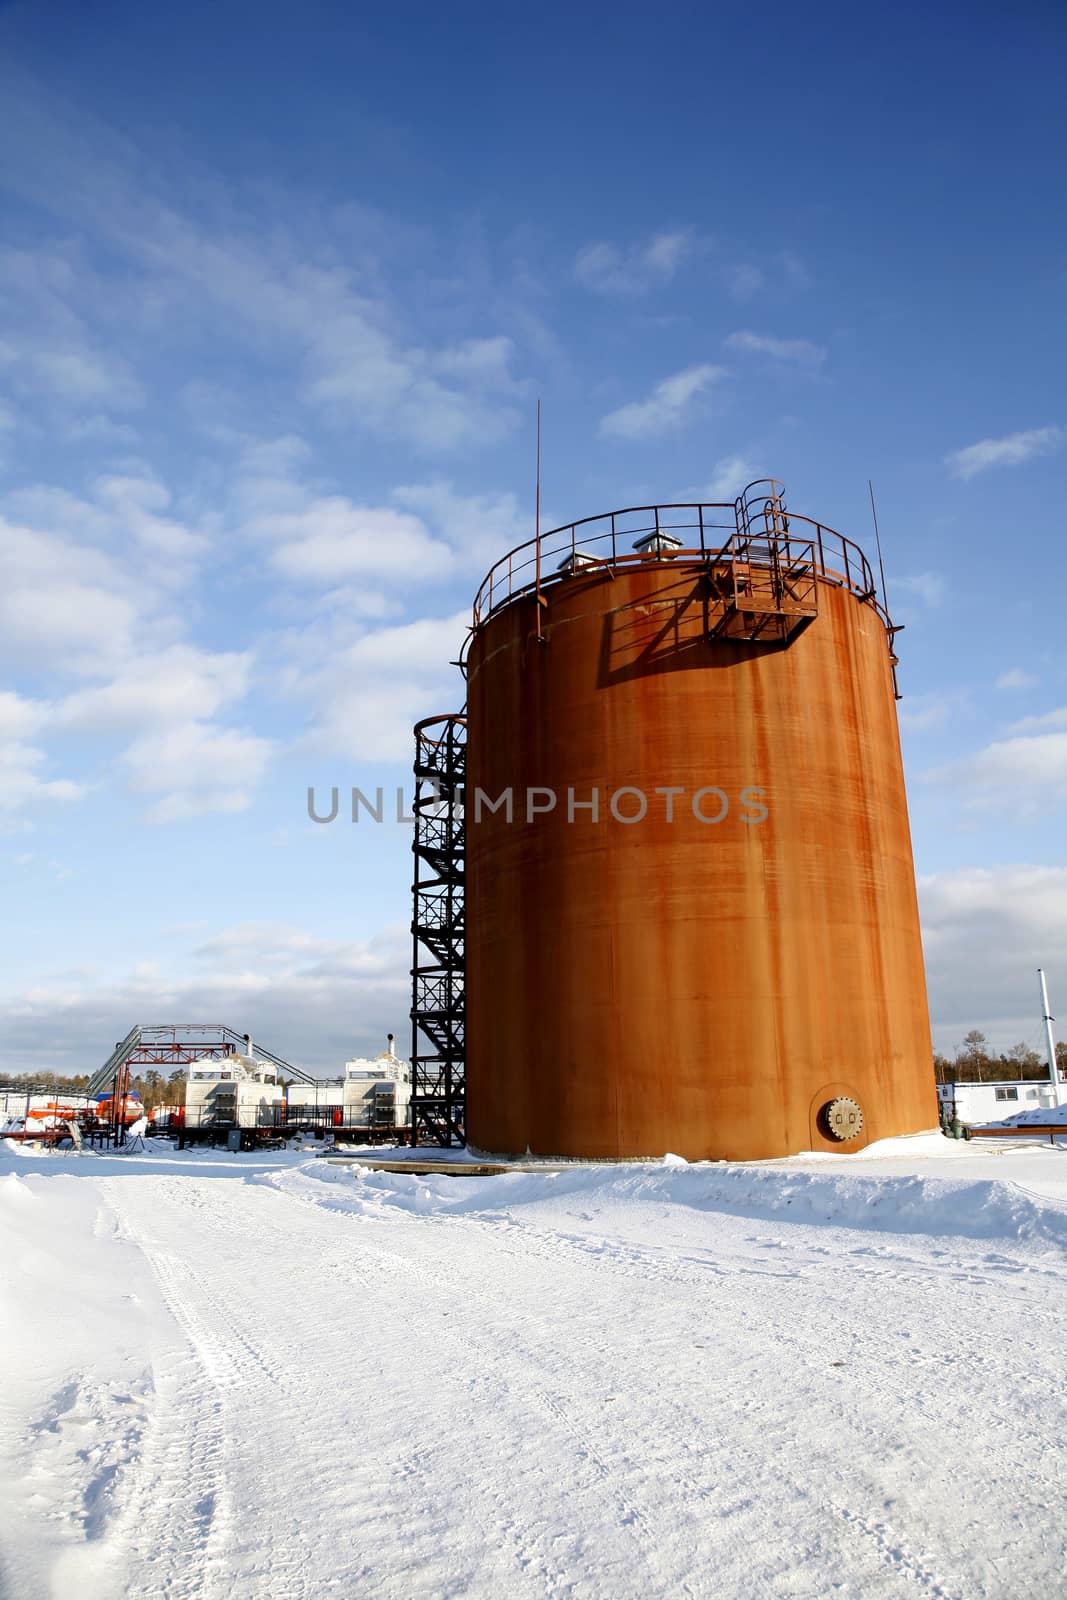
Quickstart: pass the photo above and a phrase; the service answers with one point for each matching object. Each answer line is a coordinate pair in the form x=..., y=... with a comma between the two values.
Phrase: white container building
x=238, y=1091
x=374, y=1092
x=377, y=1093
x=979, y=1103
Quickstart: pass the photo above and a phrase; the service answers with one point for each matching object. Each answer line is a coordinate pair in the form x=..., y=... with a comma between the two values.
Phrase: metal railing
x=278, y=1117
x=754, y=527
x=182, y=1042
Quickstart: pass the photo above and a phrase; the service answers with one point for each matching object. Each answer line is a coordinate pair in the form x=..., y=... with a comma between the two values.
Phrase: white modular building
x=979, y=1103
x=322, y=1096
x=235, y=1091
x=377, y=1093
x=373, y=1092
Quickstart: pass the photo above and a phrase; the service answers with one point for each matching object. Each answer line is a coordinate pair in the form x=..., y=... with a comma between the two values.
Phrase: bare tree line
x=974, y=1062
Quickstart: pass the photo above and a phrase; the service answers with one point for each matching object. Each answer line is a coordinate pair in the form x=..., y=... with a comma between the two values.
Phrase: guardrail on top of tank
x=753, y=525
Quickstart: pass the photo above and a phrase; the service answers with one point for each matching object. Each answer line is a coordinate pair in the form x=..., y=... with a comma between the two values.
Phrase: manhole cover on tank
x=842, y=1118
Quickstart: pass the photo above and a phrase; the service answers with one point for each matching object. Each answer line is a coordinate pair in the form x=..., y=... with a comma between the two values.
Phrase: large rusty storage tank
x=722, y=958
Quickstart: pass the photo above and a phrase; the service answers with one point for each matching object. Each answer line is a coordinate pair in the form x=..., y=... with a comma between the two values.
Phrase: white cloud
x=795, y=272
x=366, y=556
x=784, y=272
x=355, y=373
x=21, y=782
x=480, y=528
x=1016, y=678
x=366, y=694
x=315, y=1002
x=353, y=366
x=48, y=353
x=19, y=716
x=82, y=578
x=971, y=916
x=135, y=503
x=744, y=280
x=729, y=476
x=607, y=269
x=1041, y=723
x=424, y=644
x=179, y=684
x=100, y=429
x=931, y=587
x=925, y=713
x=431, y=531
x=263, y=944
x=165, y=700
x=62, y=605
x=1008, y=451
x=801, y=352
x=22, y=763
x=332, y=540
x=83, y=593
x=123, y=517
x=1025, y=775
x=329, y=542
x=196, y=768
x=485, y=363
x=665, y=408
x=81, y=378
x=667, y=251
x=359, y=353
x=266, y=478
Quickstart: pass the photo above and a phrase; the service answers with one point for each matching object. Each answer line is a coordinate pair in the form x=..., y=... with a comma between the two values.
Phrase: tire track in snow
x=183, y=1519
x=236, y=1364
x=889, y=1549
x=526, y=1322
x=826, y=1306
x=177, y=1520
x=541, y=1388
x=573, y=1413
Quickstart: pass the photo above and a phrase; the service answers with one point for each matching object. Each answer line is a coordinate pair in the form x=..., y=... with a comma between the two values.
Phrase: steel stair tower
x=438, y=997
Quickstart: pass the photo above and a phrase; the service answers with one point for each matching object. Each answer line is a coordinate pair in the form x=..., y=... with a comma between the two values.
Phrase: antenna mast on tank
x=537, y=524
x=878, y=544
x=892, y=628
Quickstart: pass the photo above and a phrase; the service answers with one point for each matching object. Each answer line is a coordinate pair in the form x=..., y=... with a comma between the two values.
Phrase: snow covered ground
x=271, y=1377
x=1046, y=1114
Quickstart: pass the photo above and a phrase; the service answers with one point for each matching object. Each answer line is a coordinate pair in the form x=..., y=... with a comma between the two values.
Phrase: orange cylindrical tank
x=648, y=979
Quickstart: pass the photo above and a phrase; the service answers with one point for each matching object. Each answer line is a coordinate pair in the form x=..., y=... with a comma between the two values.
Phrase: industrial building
x=234, y=1091
x=373, y=1093
x=232, y=1086
x=237, y=1091
x=664, y=894
x=978, y=1103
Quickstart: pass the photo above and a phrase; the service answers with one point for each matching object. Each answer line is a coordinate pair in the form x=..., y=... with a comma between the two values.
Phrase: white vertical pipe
x=1050, y=1042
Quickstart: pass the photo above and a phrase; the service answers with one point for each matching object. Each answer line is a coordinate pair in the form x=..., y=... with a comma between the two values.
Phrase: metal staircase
x=104, y=1077
x=438, y=999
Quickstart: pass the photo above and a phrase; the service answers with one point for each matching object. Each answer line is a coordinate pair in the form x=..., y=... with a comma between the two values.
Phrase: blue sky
x=279, y=288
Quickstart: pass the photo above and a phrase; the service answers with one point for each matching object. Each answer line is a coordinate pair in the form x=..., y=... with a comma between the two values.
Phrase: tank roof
x=756, y=527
